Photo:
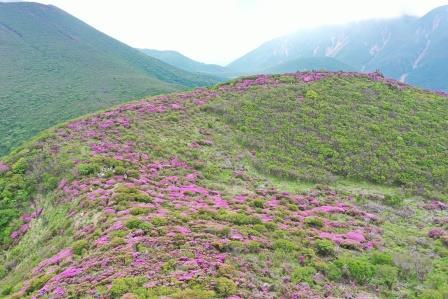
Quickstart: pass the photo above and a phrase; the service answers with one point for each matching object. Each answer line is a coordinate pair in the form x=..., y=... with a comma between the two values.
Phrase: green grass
x=274, y=254
x=344, y=128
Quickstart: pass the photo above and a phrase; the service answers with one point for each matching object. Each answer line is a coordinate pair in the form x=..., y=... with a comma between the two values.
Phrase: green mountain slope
x=54, y=67
x=305, y=185
x=180, y=61
x=309, y=64
x=408, y=48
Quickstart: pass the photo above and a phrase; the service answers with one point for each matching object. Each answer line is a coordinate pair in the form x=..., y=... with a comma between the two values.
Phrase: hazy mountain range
x=410, y=49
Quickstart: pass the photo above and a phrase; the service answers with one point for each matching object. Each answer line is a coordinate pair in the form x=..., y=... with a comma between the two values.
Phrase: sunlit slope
x=305, y=185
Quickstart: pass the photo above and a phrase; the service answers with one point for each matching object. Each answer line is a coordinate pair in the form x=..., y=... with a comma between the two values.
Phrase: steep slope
x=54, y=67
x=408, y=48
x=182, y=62
x=309, y=64
x=208, y=194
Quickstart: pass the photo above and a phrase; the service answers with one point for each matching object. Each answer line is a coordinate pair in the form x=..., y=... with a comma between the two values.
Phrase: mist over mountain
x=408, y=48
x=180, y=61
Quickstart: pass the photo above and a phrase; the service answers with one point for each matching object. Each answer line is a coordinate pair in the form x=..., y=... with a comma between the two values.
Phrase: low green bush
x=381, y=258
x=284, y=245
x=314, y=222
x=121, y=286
x=358, y=269
x=135, y=223
x=139, y=211
x=324, y=247
x=386, y=275
x=225, y=286
x=38, y=283
x=86, y=169
x=303, y=274
x=79, y=247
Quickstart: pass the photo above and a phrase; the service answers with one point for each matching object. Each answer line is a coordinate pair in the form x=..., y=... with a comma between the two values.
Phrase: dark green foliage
x=381, y=258
x=88, y=168
x=121, y=286
x=6, y=291
x=334, y=272
x=225, y=286
x=343, y=128
x=324, y=247
x=358, y=269
x=257, y=203
x=313, y=222
x=386, y=275
x=139, y=211
x=284, y=245
x=79, y=247
x=117, y=241
x=125, y=195
x=37, y=283
x=158, y=221
x=303, y=274
x=50, y=182
x=20, y=166
x=135, y=223
x=193, y=293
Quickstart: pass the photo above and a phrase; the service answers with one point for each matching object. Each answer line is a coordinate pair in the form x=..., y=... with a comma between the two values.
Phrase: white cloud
x=218, y=31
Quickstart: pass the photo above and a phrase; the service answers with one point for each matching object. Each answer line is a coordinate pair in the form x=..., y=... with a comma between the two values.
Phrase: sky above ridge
x=220, y=31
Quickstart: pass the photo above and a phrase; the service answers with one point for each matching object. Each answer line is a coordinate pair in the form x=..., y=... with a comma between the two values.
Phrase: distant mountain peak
x=407, y=48
x=181, y=61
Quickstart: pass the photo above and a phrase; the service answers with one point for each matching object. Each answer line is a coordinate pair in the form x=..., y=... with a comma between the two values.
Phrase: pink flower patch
x=3, y=167
x=102, y=241
x=220, y=203
x=183, y=230
x=266, y=218
x=356, y=236
x=329, y=209
x=240, y=198
x=70, y=272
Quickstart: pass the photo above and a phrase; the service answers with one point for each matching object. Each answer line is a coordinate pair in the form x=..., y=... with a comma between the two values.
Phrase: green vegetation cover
x=53, y=67
x=304, y=185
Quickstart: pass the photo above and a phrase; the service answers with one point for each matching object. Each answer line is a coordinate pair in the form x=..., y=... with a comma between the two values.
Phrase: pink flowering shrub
x=3, y=167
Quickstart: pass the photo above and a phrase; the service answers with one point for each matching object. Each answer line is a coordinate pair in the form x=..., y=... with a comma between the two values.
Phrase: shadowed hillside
x=54, y=67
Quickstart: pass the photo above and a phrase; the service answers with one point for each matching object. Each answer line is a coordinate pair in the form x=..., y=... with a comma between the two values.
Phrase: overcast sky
x=219, y=31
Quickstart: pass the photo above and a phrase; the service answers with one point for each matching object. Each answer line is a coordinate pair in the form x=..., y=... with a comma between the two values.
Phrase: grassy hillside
x=306, y=185
x=54, y=67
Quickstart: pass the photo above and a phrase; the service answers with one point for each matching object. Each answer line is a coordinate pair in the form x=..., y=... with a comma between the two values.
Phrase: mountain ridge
x=181, y=61
x=407, y=48
x=50, y=60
